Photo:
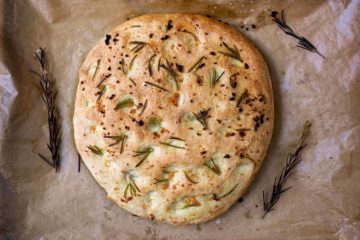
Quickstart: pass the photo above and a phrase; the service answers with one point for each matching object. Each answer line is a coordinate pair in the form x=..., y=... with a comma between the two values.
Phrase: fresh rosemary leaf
x=233, y=81
x=198, y=62
x=176, y=138
x=118, y=139
x=131, y=64
x=217, y=198
x=138, y=46
x=127, y=102
x=293, y=159
x=102, y=92
x=49, y=97
x=171, y=145
x=132, y=80
x=193, y=35
x=242, y=97
x=171, y=72
x=214, y=77
x=124, y=70
x=302, y=42
x=135, y=26
x=202, y=117
x=95, y=149
x=213, y=166
x=144, y=107
x=157, y=86
x=231, y=52
x=150, y=64
x=160, y=180
x=187, y=175
x=144, y=153
x=154, y=124
x=96, y=69
x=132, y=187
x=191, y=202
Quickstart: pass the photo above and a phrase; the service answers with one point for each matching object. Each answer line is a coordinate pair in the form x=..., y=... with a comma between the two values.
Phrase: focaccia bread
x=173, y=116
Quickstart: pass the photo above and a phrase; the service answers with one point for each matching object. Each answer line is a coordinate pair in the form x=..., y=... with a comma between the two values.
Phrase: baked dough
x=173, y=116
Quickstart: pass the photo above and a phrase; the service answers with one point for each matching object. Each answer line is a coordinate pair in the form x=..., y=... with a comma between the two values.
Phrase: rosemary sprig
x=176, y=138
x=198, y=62
x=233, y=81
x=144, y=153
x=49, y=96
x=133, y=82
x=161, y=180
x=95, y=150
x=167, y=176
x=131, y=63
x=214, y=77
x=144, y=107
x=231, y=52
x=242, y=97
x=151, y=59
x=292, y=160
x=122, y=63
x=171, y=145
x=157, y=86
x=217, y=198
x=213, y=166
x=118, y=139
x=96, y=69
x=138, y=46
x=302, y=41
x=132, y=187
x=101, y=92
x=202, y=117
x=171, y=72
x=191, y=202
x=193, y=35
x=187, y=175
x=79, y=162
x=127, y=102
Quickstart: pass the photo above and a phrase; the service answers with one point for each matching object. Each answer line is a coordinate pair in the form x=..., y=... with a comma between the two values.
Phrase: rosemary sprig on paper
x=138, y=46
x=144, y=153
x=95, y=150
x=232, y=52
x=213, y=166
x=302, y=41
x=293, y=159
x=171, y=72
x=49, y=96
x=118, y=139
x=202, y=117
x=132, y=187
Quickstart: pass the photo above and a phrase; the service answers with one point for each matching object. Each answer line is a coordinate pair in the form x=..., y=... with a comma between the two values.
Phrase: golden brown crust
x=207, y=85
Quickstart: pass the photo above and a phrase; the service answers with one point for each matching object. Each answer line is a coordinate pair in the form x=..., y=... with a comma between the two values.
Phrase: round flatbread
x=173, y=116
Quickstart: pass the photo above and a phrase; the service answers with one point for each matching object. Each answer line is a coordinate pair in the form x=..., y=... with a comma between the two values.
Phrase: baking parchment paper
x=324, y=203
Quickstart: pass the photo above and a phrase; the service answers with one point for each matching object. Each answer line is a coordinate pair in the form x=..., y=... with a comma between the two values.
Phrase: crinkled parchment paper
x=324, y=203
